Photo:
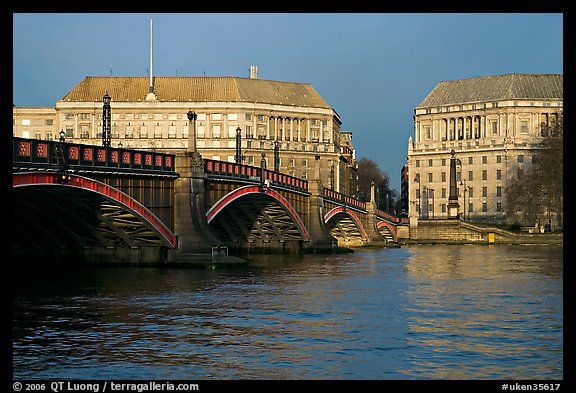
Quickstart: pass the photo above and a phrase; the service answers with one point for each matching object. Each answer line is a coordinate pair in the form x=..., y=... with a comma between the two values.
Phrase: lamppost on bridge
x=265, y=182
x=106, y=119
x=276, y=156
x=238, y=157
x=331, y=175
x=62, y=136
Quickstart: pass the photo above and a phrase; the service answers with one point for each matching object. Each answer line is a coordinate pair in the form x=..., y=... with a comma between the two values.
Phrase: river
x=416, y=312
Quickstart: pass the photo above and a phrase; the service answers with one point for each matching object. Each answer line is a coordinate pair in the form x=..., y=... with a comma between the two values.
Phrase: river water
x=416, y=312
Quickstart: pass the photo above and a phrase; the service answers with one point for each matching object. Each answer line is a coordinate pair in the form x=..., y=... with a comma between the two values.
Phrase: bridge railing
x=343, y=199
x=41, y=152
x=231, y=170
x=390, y=217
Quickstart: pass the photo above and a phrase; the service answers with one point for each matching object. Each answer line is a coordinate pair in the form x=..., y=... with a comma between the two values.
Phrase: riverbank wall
x=455, y=231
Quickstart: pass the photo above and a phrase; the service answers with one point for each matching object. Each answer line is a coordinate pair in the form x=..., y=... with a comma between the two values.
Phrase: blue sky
x=372, y=68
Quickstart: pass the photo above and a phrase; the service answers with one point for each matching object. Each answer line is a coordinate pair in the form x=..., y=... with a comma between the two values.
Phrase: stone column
x=190, y=225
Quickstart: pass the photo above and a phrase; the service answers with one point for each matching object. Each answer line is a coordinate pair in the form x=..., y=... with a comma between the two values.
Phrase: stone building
x=494, y=125
x=266, y=113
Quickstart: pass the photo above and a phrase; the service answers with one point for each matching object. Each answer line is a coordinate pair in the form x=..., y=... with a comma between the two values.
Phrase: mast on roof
x=151, y=95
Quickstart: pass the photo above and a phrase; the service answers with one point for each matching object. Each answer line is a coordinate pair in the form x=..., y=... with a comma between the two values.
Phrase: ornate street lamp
x=238, y=146
x=106, y=119
x=276, y=156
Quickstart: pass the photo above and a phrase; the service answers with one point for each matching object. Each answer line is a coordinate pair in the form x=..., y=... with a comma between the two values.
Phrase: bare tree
x=537, y=194
x=369, y=171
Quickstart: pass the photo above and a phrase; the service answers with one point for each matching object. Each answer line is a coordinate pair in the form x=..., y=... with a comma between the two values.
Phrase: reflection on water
x=421, y=312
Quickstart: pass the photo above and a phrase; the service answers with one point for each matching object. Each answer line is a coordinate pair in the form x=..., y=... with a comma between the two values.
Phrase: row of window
x=183, y=116
x=519, y=174
x=467, y=192
x=469, y=208
x=484, y=160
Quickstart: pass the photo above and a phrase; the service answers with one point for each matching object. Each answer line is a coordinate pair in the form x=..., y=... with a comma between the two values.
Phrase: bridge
x=74, y=201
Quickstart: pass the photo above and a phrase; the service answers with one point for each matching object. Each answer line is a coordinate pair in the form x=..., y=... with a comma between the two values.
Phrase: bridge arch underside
x=345, y=227
x=258, y=222
x=387, y=230
x=57, y=223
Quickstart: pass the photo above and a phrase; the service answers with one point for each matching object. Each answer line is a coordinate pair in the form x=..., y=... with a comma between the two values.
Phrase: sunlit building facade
x=494, y=125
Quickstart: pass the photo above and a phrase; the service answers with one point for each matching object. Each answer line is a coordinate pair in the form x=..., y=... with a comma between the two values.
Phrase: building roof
x=197, y=89
x=495, y=88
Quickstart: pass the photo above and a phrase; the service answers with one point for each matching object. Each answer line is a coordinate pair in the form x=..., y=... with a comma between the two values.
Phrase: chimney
x=253, y=72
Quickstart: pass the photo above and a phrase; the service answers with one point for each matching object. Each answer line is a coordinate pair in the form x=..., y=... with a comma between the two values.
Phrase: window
x=470, y=160
x=443, y=176
x=305, y=162
x=248, y=116
x=470, y=192
x=494, y=126
x=484, y=159
x=49, y=122
x=524, y=126
x=470, y=175
x=216, y=131
x=25, y=122
x=484, y=192
x=417, y=163
x=498, y=206
x=498, y=174
x=520, y=158
x=443, y=162
x=484, y=174
x=498, y=191
x=249, y=132
x=430, y=177
x=430, y=162
x=443, y=192
x=498, y=158
x=427, y=129
x=484, y=207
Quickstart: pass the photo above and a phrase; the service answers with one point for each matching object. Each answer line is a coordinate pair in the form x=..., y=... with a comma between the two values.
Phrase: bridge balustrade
x=41, y=152
x=390, y=217
x=344, y=199
x=236, y=171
